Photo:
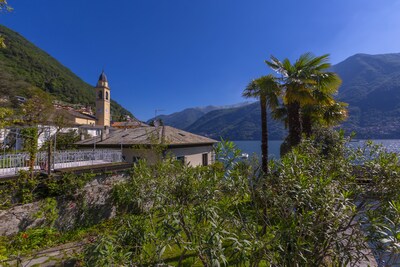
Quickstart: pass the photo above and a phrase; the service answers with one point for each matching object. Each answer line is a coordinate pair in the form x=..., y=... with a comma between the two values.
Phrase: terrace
x=12, y=163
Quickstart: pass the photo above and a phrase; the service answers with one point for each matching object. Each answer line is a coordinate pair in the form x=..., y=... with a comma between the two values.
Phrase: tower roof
x=103, y=77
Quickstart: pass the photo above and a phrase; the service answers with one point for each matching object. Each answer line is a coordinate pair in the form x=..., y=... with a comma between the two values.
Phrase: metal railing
x=11, y=164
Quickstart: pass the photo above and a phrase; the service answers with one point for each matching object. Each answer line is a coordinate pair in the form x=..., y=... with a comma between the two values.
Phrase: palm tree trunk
x=306, y=125
x=264, y=135
x=294, y=124
x=264, y=153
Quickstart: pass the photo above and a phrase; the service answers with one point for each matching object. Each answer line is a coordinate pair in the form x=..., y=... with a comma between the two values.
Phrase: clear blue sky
x=174, y=54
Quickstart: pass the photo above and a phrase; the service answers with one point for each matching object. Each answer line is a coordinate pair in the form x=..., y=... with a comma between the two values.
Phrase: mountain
x=371, y=86
x=181, y=119
x=186, y=117
x=23, y=65
x=240, y=123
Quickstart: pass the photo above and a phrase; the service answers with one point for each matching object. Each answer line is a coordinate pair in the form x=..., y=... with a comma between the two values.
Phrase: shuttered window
x=205, y=159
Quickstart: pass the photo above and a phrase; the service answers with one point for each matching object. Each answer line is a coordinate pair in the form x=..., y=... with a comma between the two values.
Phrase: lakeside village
x=103, y=141
x=132, y=194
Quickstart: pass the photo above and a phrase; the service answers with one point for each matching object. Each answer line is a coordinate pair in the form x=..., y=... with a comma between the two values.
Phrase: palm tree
x=303, y=83
x=323, y=86
x=267, y=90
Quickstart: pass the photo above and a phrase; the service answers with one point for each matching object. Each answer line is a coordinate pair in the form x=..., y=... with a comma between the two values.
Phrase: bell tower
x=103, y=97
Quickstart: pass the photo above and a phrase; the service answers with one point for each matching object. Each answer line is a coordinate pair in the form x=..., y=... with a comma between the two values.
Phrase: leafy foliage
x=5, y=114
x=323, y=208
x=4, y=6
x=64, y=141
x=26, y=189
x=215, y=216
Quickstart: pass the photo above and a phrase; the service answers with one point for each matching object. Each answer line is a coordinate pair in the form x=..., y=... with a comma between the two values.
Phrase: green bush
x=309, y=211
x=321, y=204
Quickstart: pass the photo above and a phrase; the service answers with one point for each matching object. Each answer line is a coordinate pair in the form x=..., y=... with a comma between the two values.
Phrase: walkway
x=10, y=172
x=11, y=164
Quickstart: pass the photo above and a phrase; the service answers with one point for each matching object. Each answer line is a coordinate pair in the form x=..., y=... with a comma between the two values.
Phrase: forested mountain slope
x=23, y=65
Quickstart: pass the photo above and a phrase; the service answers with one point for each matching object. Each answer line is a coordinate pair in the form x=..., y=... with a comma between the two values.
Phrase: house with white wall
x=156, y=142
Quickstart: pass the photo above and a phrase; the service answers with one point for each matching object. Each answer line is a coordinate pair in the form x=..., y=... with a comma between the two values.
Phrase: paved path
x=55, y=256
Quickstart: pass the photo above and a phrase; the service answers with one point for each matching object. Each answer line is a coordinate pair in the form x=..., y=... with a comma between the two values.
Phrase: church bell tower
x=103, y=97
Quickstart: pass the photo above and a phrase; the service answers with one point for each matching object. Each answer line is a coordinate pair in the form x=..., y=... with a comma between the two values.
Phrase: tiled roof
x=69, y=115
x=149, y=135
x=81, y=115
x=127, y=124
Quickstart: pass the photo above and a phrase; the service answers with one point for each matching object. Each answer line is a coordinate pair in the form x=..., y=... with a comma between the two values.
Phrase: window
x=100, y=95
x=107, y=95
x=181, y=159
x=205, y=159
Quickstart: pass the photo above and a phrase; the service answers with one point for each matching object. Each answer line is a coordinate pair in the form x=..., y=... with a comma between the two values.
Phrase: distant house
x=137, y=143
x=77, y=118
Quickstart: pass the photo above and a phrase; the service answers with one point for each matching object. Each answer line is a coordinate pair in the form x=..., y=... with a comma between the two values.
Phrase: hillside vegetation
x=242, y=123
x=371, y=86
x=23, y=65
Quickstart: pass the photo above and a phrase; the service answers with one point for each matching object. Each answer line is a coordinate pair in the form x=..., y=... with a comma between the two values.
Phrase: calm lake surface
x=254, y=147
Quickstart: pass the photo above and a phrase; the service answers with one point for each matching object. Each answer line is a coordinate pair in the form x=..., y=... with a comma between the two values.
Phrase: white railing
x=11, y=164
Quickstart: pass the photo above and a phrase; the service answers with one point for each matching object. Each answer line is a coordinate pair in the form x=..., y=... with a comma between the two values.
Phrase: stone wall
x=89, y=205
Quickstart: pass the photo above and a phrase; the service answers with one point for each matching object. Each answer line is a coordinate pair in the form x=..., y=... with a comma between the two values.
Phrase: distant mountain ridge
x=183, y=119
x=240, y=123
x=23, y=65
x=371, y=86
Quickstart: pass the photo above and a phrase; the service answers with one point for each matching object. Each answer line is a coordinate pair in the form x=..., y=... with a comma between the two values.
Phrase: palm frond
x=280, y=113
x=251, y=91
x=265, y=86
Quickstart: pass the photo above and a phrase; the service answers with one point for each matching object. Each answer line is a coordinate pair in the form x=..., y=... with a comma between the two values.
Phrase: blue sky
x=174, y=54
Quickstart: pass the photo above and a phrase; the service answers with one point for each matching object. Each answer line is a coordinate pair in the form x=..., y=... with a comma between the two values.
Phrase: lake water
x=254, y=147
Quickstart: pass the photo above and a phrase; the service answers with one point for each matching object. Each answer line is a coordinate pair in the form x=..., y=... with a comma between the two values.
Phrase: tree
x=35, y=111
x=267, y=90
x=4, y=7
x=325, y=114
x=5, y=117
x=324, y=109
x=307, y=87
x=38, y=108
